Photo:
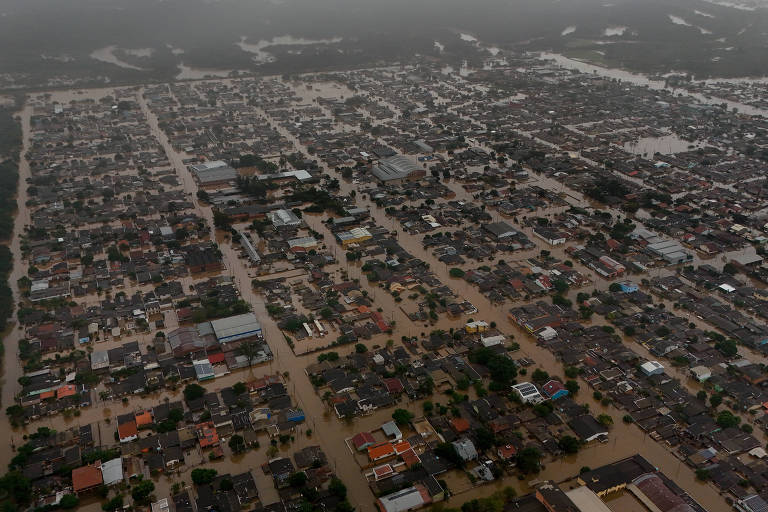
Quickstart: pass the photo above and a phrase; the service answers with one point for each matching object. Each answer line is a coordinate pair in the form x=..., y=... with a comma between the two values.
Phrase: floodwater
x=11, y=368
x=107, y=54
x=188, y=73
x=666, y=145
x=261, y=56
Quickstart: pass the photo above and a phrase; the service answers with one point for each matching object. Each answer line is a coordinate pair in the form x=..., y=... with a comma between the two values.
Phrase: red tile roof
x=86, y=477
x=127, y=430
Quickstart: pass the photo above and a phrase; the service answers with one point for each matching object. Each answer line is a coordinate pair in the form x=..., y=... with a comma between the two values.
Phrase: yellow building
x=353, y=236
x=475, y=327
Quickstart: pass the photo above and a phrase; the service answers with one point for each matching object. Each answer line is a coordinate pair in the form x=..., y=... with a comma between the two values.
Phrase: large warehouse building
x=236, y=328
x=213, y=174
x=397, y=169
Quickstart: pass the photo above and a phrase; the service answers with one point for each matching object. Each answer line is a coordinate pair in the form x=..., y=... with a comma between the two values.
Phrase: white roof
x=112, y=471
x=650, y=366
x=236, y=327
x=401, y=501
x=490, y=341
x=526, y=389
x=161, y=506
x=585, y=499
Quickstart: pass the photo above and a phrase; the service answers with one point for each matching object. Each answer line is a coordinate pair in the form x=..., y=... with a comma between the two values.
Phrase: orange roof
x=380, y=451
x=207, y=435
x=47, y=394
x=143, y=418
x=363, y=309
x=410, y=458
x=507, y=451
x=460, y=424
x=402, y=446
x=65, y=391
x=127, y=430
x=380, y=471
x=86, y=477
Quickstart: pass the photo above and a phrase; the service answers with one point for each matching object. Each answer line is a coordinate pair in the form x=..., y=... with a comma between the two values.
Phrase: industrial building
x=283, y=219
x=236, y=328
x=669, y=250
x=397, y=169
x=353, y=236
x=210, y=174
x=301, y=176
x=250, y=250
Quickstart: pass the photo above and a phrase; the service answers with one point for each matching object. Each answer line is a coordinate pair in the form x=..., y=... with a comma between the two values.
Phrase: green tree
x=571, y=372
x=113, y=504
x=202, y=476
x=715, y=401
x=605, y=420
x=239, y=388
x=337, y=488
x=237, y=443
x=572, y=386
x=142, y=491
x=569, y=444
x=726, y=419
x=69, y=501
x=193, y=392
x=402, y=416
x=727, y=347
x=360, y=348
x=485, y=439
x=250, y=350
x=529, y=460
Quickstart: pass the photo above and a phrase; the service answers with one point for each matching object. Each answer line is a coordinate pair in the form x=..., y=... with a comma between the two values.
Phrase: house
x=391, y=430
x=86, y=478
x=700, y=373
x=528, y=393
x=380, y=451
x=546, y=333
x=476, y=327
x=281, y=469
x=506, y=452
x=112, y=471
x=554, y=389
x=587, y=428
x=128, y=431
x=652, y=368
x=362, y=441
x=406, y=499
x=465, y=448
x=751, y=503
x=554, y=498
x=628, y=287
